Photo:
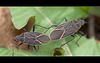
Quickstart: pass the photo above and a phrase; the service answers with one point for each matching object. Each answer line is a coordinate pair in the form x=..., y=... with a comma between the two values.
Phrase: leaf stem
x=44, y=15
x=67, y=48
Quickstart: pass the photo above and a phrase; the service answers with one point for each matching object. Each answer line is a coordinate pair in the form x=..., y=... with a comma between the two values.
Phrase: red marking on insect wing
x=28, y=34
x=73, y=25
x=65, y=24
x=39, y=41
x=71, y=31
x=77, y=23
x=78, y=28
x=29, y=37
x=68, y=33
x=43, y=39
x=39, y=35
x=62, y=34
x=22, y=37
x=59, y=29
x=70, y=26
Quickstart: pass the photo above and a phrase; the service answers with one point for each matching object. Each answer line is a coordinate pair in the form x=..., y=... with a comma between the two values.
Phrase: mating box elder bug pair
x=61, y=31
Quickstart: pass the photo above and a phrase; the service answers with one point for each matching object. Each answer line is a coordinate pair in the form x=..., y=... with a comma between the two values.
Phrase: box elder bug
x=32, y=38
x=67, y=29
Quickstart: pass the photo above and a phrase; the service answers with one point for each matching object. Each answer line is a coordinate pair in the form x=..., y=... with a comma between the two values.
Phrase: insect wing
x=43, y=39
x=56, y=34
x=36, y=38
x=70, y=29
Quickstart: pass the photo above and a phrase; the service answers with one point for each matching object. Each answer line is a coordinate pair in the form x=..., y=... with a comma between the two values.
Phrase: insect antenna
x=13, y=48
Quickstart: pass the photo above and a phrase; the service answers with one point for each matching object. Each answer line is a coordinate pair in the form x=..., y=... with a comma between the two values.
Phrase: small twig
x=44, y=15
x=67, y=48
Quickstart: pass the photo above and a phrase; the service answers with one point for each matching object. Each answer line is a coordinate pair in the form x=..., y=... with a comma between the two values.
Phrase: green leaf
x=21, y=15
x=45, y=16
x=88, y=47
x=95, y=10
x=32, y=17
x=85, y=8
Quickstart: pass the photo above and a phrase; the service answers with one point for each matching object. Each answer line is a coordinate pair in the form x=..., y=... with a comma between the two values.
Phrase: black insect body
x=67, y=29
x=32, y=38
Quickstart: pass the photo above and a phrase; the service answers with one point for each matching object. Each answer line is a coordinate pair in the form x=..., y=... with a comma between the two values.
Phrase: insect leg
x=38, y=47
x=28, y=48
x=68, y=41
x=40, y=26
x=43, y=27
x=13, y=48
x=62, y=20
x=19, y=45
x=33, y=28
x=80, y=33
x=50, y=27
x=35, y=48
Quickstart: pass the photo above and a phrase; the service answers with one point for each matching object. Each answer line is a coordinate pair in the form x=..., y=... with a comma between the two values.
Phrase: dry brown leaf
x=7, y=30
